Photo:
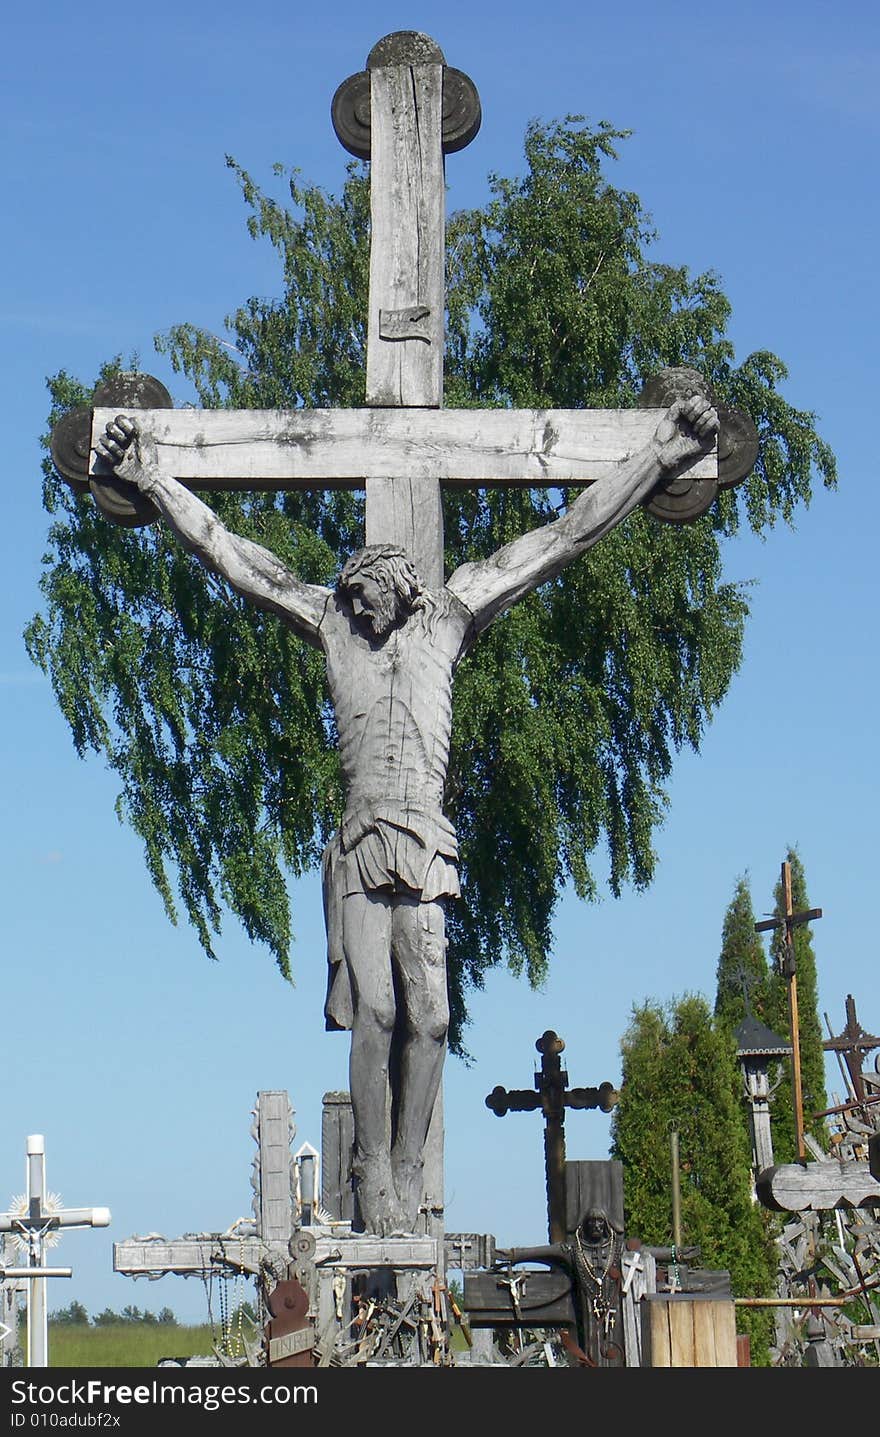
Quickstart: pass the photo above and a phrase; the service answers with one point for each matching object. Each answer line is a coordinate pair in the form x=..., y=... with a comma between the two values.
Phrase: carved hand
x=688, y=428
x=128, y=452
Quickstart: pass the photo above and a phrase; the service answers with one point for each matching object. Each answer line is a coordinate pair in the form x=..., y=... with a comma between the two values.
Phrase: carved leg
x=419, y=951
x=367, y=946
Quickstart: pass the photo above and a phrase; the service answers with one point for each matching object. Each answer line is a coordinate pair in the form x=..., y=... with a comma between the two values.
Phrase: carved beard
x=382, y=619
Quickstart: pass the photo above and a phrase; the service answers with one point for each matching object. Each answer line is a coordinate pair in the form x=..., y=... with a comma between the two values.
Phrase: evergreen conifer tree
x=680, y=1074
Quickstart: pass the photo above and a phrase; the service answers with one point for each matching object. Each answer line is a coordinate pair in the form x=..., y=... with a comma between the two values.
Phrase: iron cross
x=552, y=1095
x=853, y=1044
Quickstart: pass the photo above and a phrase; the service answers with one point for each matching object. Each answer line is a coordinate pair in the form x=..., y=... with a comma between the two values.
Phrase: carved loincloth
x=381, y=848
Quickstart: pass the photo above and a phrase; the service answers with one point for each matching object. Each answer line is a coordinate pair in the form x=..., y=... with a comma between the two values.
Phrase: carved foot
x=408, y=1181
x=376, y=1195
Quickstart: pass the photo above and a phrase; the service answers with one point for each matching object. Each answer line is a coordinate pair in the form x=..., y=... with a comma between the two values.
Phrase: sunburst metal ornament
x=19, y=1207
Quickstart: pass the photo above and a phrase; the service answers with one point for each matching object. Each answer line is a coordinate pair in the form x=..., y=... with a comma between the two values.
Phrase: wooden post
x=676, y=1192
x=796, y=1084
x=788, y=922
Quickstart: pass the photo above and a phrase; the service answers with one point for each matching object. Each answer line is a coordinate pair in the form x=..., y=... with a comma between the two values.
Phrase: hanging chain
x=601, y=1306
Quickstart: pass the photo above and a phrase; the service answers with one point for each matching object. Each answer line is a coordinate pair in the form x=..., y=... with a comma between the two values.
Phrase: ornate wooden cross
x=787, y=924
x=552, y=1095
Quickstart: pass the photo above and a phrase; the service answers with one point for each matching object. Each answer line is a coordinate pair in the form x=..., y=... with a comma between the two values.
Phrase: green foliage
x=742, y=954
x=812, y=1054
x=568, y=713
x=74, y=1315
x=680, y=1075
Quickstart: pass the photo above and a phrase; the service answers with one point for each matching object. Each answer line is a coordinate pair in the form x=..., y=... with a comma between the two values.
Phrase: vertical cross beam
x=38, y=1320
x=395, y=114
x=788, y=922
x=406, y=306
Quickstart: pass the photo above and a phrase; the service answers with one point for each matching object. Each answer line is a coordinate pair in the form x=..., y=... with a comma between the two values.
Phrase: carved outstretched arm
x=254, y=572
x=552, y=1254
x=490, y=586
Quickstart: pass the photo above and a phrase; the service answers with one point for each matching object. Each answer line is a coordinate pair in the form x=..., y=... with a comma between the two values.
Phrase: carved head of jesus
x=381, y=586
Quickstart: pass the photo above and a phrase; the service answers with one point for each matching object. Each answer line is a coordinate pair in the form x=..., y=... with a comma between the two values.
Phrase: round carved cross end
x=609, y=1096
x=405, y=47
x=120, y=502
x=69, y=446
x=550, y=1043
x=737, y=446
x=350, y=108
x=497, y=1101
x=681, y=500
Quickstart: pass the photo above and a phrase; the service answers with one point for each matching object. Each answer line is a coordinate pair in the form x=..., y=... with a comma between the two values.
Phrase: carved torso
x=393, y=703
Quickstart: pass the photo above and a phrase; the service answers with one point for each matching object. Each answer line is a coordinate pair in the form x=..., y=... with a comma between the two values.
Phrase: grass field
x=126, y=1344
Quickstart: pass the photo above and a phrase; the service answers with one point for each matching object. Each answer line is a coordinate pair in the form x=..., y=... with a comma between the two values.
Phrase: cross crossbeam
x=214, y=449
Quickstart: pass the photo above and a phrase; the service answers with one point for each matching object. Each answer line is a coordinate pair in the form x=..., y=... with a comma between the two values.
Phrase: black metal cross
x=552, y=1095
x=853, y=1044
x=787, y=924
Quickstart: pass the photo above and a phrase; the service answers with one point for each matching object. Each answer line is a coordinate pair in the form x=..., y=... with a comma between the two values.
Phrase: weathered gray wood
x=275, y=449
x=187, y=1256
x=817, y=1186
x=596, y=1184
x=407, y=205
x=273, y=1173
x=337, y=1145
x=408, y=511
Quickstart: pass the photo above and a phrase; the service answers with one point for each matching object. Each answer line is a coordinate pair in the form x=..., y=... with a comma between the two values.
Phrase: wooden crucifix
x=395, y=628
x=786, y=925
x=552, y=1095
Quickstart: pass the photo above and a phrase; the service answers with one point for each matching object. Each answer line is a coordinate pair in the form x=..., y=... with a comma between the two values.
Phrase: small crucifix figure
x=853, y=1044
x=35, y=1225
x=786, y=925
x=552, y=1095
x=394, y=628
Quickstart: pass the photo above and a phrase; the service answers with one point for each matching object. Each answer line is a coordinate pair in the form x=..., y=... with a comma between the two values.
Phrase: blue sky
x=754, y=148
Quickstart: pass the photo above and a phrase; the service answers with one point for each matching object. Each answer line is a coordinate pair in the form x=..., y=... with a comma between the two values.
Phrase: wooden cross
x=404, y=112
x=787, y=924
x=552, y=1096
x=852, y=1045
x=34, y=1226
x=249, y=1247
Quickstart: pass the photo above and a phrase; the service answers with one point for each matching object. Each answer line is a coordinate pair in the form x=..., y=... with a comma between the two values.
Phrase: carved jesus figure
x=392, y=647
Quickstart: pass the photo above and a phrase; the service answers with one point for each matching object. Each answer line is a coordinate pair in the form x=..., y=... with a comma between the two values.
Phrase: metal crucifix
x=552, y=1096
x=787, y=924
x=395, y=627
x=38, y=1220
